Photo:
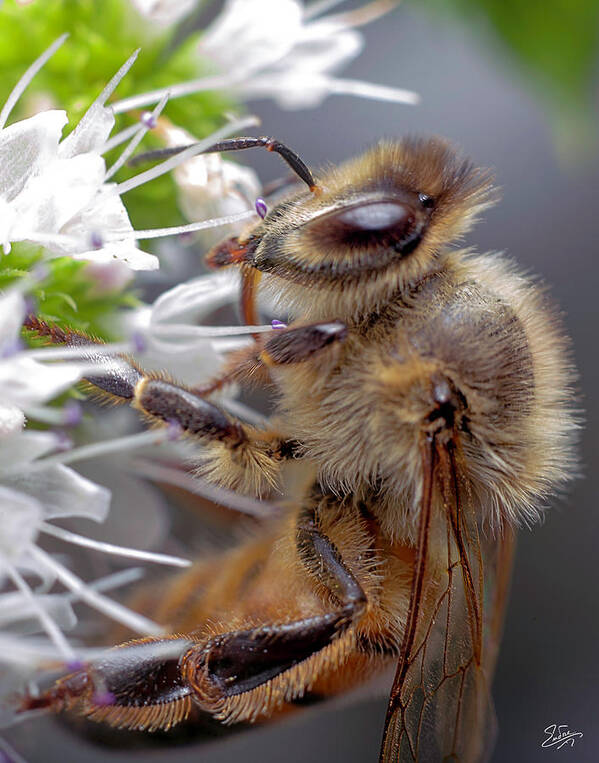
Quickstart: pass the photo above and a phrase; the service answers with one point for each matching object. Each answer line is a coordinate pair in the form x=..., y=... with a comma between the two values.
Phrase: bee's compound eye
x=376, y=216
x=427, y=201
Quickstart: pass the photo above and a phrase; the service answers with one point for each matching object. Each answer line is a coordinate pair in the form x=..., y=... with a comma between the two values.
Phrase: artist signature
x=558, y=736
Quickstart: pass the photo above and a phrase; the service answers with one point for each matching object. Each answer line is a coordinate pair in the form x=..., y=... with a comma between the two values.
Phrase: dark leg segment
x=138, y=685
x=240, y=661
x=297, y=344
x=171, y=403
x=119, y=377
x=236, y=455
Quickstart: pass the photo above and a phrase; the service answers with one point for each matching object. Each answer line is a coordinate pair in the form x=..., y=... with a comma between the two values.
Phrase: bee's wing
x=498, y=555
x=440, y=707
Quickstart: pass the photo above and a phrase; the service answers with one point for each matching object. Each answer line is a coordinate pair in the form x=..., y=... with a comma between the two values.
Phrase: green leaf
x=67, y=295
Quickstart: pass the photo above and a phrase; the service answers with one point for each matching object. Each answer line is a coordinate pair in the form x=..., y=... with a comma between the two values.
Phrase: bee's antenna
x=238, y=144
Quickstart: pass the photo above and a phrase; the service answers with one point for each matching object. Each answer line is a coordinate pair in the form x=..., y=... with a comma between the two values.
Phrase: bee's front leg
x=235, y=455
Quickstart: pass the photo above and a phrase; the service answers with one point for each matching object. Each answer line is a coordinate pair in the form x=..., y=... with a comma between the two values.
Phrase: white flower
x=164, y=12
x=35, y=490
x=275, y=49
x=25, y=383
x=37, y=487
x=173, y=338
x=207, y=184
x=249, y=36
x=53, y=192
x=108, y=276
x=280, y=49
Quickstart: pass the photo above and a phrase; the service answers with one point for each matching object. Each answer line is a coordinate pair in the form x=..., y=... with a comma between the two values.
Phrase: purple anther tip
x=96, y=240
x=174, y=430
x=73, y=665
x=63, y=441
x=138, y=340
x=148, y=120
x=72, y=413
x=278, y=324
x=103, y=698
x=261, y=207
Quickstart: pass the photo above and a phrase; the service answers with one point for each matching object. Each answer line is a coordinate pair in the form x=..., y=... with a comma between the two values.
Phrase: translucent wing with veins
x=440, y=706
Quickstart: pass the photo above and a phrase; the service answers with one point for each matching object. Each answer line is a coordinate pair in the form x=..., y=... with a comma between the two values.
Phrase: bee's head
x=378, y=225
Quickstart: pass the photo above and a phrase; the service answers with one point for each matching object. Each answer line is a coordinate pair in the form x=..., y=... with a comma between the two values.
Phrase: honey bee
x=424, y=411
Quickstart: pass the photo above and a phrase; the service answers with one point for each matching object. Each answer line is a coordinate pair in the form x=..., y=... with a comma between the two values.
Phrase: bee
x=424, y=412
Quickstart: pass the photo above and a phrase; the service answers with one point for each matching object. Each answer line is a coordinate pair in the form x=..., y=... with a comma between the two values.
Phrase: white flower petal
x=246, y=36
x=12, y=313
x=209, y=185
x=12, y=420
x=56, y=195
x=20, y=516
x=197, y=298
x=106, y=217
x=164, y=12
x=191, y=363
x=124, y=251
x=63, y=492
x=31, y=569
x=24, y=447
x=322, y=47
x=15, y=608
x=24, y=381
x=192, y=360
x=109, y=276
x=25, y=147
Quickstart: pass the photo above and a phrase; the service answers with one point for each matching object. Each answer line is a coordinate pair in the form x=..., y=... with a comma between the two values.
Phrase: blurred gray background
x=473, y=93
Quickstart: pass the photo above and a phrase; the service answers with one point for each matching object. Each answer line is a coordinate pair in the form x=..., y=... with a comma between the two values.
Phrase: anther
x=261, y=208
x=148, y=120
x=74, y=665
x=72, y=414
x=103, y=698
x=96, y=240
x=138, y=340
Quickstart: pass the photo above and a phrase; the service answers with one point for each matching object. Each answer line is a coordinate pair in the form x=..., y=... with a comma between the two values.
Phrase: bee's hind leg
x=136, y=685
x=241, y=675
